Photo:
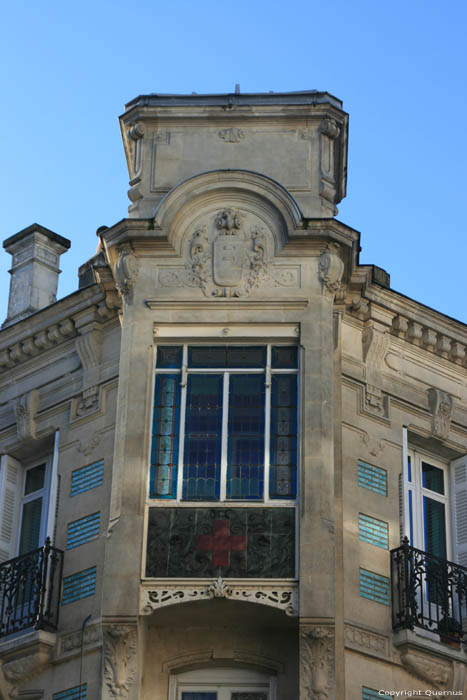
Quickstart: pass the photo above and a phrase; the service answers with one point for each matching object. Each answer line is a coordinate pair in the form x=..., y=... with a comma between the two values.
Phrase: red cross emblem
x=221, y=543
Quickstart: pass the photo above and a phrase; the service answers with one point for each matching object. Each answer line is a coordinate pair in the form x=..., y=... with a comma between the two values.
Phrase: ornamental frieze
x=280, y=595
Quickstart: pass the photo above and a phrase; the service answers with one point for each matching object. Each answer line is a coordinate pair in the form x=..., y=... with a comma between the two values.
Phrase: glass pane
x=30, y=526
x=232, y=356
x=434, y=524
x=199, y=696
x=411, y=519
x=409, y=468
x=165, y=429
x=432, y=478
x=203, y=433
x=249, y=696
x=284, y=357
x=35, y=478
x=169, y=356
x=245, y=470
x=283, y=471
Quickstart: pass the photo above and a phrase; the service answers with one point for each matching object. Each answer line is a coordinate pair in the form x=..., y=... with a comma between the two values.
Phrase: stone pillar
x=317, y=547
x=34, y=272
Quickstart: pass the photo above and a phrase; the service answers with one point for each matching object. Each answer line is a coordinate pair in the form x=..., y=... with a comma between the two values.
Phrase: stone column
x=317, y=548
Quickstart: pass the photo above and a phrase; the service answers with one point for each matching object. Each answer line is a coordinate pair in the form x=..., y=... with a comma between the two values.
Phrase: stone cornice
x=48, y=328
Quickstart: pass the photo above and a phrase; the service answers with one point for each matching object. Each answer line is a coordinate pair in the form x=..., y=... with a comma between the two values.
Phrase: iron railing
x=30, y=590
x=428, y=592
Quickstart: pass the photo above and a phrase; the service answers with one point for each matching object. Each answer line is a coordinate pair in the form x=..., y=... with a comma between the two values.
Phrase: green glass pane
x=35, y=478
x=30, y=526
x=432, y=478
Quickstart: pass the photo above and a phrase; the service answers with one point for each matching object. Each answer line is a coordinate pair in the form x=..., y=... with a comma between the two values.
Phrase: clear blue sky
x=400, y=68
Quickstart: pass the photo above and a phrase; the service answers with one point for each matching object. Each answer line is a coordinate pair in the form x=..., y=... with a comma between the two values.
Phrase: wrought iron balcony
x=429, y=593
x=30, y=590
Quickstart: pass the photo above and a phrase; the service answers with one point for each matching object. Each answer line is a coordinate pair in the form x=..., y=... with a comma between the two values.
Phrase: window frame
x=267, y=371
x=222, y=679
x=43, y=493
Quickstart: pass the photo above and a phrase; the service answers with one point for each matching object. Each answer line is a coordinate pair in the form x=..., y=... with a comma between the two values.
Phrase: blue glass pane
x=203, y=433
x=432, y=478
x=165, y=434
x=199, y=696
x=411, y=518
x=409, y=468
x=227, y=356
x=283, y=471
x=169, y=356
x=284, y=357
x=245, y=470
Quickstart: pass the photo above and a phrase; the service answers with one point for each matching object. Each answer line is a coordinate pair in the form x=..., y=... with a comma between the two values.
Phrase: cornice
x=48, y=328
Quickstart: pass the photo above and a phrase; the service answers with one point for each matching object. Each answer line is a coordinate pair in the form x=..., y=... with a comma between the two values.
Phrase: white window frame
x=415, y=486
x=267, y=371
x=223, y=681
x=43, y=493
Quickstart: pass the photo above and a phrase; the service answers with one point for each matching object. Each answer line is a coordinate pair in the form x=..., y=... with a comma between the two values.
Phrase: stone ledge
x=420, y=642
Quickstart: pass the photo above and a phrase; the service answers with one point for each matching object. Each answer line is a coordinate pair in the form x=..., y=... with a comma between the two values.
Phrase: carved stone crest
x=119, y=659
x=226, y=259
x=331, y=269
x=441, y=405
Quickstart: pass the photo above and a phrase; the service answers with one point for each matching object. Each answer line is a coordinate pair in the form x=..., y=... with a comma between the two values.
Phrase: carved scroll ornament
x=441, y=405
x=317, y=662
x=119, y=659
x=331, y=269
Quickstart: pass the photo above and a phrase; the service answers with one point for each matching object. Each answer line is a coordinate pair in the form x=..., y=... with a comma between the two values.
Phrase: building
x=212, y=449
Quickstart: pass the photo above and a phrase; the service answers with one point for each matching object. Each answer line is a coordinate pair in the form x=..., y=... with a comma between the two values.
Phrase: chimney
x=34, y=272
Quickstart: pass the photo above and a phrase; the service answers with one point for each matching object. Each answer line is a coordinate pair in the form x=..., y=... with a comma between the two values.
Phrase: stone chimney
x=34, y=272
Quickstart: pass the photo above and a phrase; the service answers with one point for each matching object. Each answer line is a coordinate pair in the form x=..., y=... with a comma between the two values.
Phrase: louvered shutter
x=459, y=509
x=10, y=485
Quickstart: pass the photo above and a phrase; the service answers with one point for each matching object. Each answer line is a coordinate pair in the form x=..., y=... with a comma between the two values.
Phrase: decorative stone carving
x=72, y=641
x=120, y=664
x=25, y=412
x=233, y=135
x=428, y=669
x=277, y=595
x=374, y=446
x=42, y=340
x=22, y=668
x=87, y=446
x=126, y=270
x=329, y=127
x=368, y=642
x=331, y=269
x=317, y=662
x=88, y=402
x=441, y=405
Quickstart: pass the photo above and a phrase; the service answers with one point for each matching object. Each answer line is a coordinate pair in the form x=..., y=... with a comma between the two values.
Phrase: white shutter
x=10, y=495
x=459, y=509
x=53, y=492
x=403, y=488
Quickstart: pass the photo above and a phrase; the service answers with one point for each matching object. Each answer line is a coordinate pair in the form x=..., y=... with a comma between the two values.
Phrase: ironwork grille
x=428, y=592
x=30, y=590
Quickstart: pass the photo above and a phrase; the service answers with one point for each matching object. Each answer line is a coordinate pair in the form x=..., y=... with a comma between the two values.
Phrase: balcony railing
x=429, y=593
x=30, y=590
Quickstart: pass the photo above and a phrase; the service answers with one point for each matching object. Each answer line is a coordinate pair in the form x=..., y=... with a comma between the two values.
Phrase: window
x=222, y=684
x=33, y=510
x=225, y=423
x=428, y=504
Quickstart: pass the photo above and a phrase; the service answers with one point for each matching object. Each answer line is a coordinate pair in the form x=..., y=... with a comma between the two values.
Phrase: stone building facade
x=214, y=449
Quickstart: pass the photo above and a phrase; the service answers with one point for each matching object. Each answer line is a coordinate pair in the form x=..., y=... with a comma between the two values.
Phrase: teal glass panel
x=434, y=523
x=245, y=470
x=227, y=357
x=169, y=356
x=35, y=478
x=372, y=478
x=374, y=587
x=283, y=448
x=165, y=437
x=373, y=531
x=284, y=357
x=203, y=437
x=30, y=526
x=432, y=478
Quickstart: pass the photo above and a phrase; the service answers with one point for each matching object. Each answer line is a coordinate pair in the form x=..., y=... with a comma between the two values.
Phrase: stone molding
x=366, y=641
x=441, y=405
x=282, y=595
x=24, y=658
x=71, y=643
x=120, y=659
x=20, y=352
x=317, y=673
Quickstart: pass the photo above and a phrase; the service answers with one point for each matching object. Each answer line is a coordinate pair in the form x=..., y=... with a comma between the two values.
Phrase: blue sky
x=67, y=70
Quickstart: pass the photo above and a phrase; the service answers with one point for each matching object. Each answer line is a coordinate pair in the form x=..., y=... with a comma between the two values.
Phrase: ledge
x=15, y=644
x=420, y=642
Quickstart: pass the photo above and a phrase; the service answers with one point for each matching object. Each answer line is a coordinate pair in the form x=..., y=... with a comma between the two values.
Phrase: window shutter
x=459, y=509
x=403, y=489
x=10, y=485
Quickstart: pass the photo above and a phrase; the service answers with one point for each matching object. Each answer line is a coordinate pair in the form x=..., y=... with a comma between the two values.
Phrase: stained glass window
x=225, y=423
